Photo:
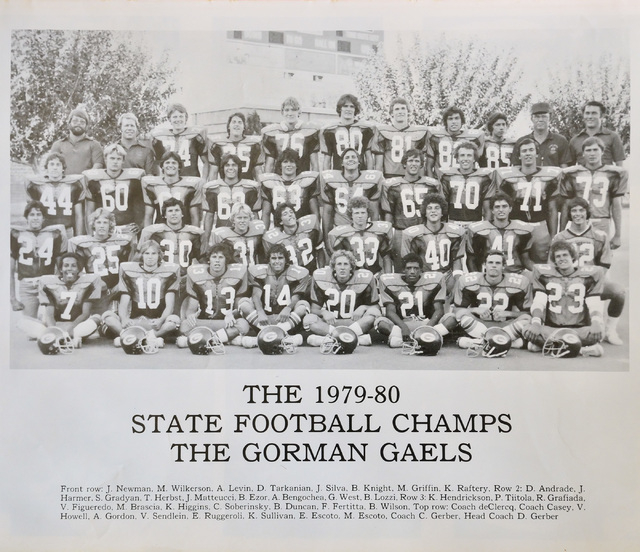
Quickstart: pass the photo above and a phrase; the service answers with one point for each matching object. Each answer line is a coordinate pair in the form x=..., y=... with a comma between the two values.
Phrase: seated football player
x=63, y=196
x=279, y=291
x=147, y=293
x=34, y=252
x=402, y=197
x=220, y=196
x=593, y=249
x=482, y=300
x=498, y=145
x=244, y=236
x=567, y=296
x=342, y=295
x=247, y=148
x=288, y=185
x=300, y=236
x=117, y=190
x=412, y=299
x=369, y=241
x=438, y=243
x=338, y=187
x=67, y=299
x=302, y=136
x=512, y=237
x=213, y=294
x=156, y=189
x=102, y=252
x=190, y=143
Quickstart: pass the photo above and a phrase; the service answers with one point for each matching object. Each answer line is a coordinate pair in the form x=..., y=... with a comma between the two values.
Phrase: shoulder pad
x=258, y=271
x=416, y=230
x=483, y=171
x=236, y=270
x=297, y=272
x=372, y=174
x=173, y=267
x=95, y=174
x=550, y=171
x=224, y=232
x=256, y=227
x=271, y=128
x=321, y=273
x=266, y=178
x=572, y=169
x=245, y=182
x=330, y=126
x=380, y=227
x=453, y=229
x=307, y=222
x=521, y=227
x=614, y=168
x=153, y=228
x=431, y=278
x=306, y=178
x=438, y=131
x=507, y=172
x=390, y=278
x=341, y=230
x=451, y=171
x=332, y=176
x=272, y=235
x=192, y=229
x=252, y=139
x=471, y=278
x=473, y=132
x=131, y=174
x=362, y=275
x=149, y=179
x=212, y=184
x=191, y=180
x=71, y=179
x=544, y=270
x=395, y=181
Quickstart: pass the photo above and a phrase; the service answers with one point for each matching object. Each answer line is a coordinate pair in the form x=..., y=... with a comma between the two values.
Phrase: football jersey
x=465, y=193
x=278, y=290
x=148, y=288
x=496, y=153
x=298, y=193
x=181, y=247
x=336, y=138
x=598, y=187
x=302, y=245
x=303, y=138
x=216, y=296
x=342, y=299
x=59, y=198
x=103, y=257
x=218, y=198
x=67, y=301
x=402, y=199
x=438, y=249
x=189, y=144
x=246, y=247
x=441, y=145
x=156, y=191
x=249, y=150
x=513, y=240
x=530, y=193
x=35, y=253
x=512, y=293
x=413, y=301
x=592, y=245
x=121, y=195
x=368, y=246
x=393, y=143
x=566, y=295
x=336, y=190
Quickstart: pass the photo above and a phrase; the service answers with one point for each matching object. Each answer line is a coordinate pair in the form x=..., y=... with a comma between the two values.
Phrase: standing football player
x=247, y=148
x=498, y=146
x=291, y=133
x=244, y=236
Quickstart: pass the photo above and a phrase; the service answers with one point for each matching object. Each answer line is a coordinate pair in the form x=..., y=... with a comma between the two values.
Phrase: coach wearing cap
x=80, y=152
x=553, y=149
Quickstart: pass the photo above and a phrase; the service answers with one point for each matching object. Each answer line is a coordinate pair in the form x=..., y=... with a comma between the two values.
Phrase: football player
x=497, y=145
x=566, y=296
x=279, y=291
x=63, y=196
x=291, y=133
x=34, y=252
x=300, y=236
x=288, y=185
x=247, y=148
x=345, y=134
x=338, y=187
x=466, y=188
x=190, y=143
x=513, y=237
x=603, y=186
x=213, y=293
x=80, y=152
x=412, y=299
x=438, y=243
x=369, y=241
x=490, y=298
x=402, y=197
x=102, y=252
x=139, y=153
x=117, y=190
x=441, y=142
x=534, y=192
x=592, y=114
x=392, y=142
x=155, y=189
x=219, y=196
x=342, y=295
x=147, y=291
x=593, y=249
x=244, y=236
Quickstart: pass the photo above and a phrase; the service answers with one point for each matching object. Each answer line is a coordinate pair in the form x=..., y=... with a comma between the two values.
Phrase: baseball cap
x=541, y=107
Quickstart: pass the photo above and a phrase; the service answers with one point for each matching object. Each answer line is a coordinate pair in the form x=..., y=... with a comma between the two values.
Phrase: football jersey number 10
x=148, y=293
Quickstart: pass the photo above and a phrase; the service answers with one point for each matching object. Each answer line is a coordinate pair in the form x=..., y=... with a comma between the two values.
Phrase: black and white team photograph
x=417, y=201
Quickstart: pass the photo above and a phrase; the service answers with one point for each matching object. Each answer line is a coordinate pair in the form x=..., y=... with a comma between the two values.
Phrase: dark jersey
x=148, y=289
x=336, y=190
x=181, y=247
x=402, y=199
x=598, y=187
x=392, y=143
x=513, y=240
x=512, y=293
x=216, y=296
x=593, y=245
x=302, y=245
x=413, y=302
x=336, y=138
x=247, y=246
x=303, y=138
x=368, y=246
x=35, y=253
x=103, y=257
x=219, y=198
x=496, y=153
x=298, y=193
x=190, y=144
x=278, y=290
x=59, y=198
x=68, y=300
x=343, y=299
x=156, y=191
x=249, y=150
x=438, y=249
x=441, y=146
x=465, y=193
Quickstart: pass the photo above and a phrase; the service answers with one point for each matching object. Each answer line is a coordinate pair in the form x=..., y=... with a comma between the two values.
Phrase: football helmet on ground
x=495, y=343
x=273, y=340
x=55, y=341
x=134, y=341
x=203, y=341
x=424, y=340
x=563, y=343
x=344, y=342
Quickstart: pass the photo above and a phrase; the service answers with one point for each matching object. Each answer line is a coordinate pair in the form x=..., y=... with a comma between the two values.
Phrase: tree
x=433, y=76
x=606, y=80
x=108, y=72
x=254, y=125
